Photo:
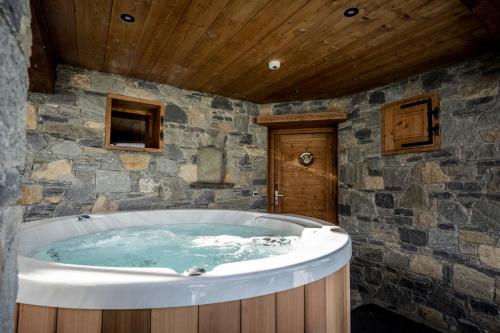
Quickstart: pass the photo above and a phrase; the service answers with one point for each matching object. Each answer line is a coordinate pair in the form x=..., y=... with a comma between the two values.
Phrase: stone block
x=443, y=239
x=415, y=197
x=385, y=200
x=94, y=125
x=189, y=172
x=41, y=211
x=452, y=212
x=147, y=185
x=429, y=173
x=56, y=170
x=135, y=161
x=362, y=204
x=490, y=255
x=427, y=266
x=485, y=215
x=426, y=219
x=30, y=194
x=376, y=97
x=396, y=259
x=384, y=232
x=167, y=166
x=432, y=316
x=175, y=114
x=490, y=134
x=69, y=131
x=80, y=193
x=222, y=103
x=373, y=183
x=472, y=282
x=66, y=148
x=476, y=237
x=104, y=204
x=210, y=164
x=412, y=236
x=112, y=181
x=31, y=116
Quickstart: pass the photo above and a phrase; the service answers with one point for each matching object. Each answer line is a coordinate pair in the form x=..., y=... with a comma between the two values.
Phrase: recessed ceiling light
x=274, y=65
x=127, y=18
x=351, y=12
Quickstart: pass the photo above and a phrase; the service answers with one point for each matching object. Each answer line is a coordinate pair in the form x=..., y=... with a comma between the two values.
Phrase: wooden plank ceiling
x=223, y=46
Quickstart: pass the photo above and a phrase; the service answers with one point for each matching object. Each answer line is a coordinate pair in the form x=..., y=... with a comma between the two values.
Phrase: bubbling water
x=175, y=246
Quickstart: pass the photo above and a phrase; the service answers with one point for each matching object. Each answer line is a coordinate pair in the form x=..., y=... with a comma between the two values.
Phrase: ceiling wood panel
x=61, y=25
x=370, y=69
x=227, y=25
x=341, y=35
x=358, y=58
x=196, y=20
x=262, y=25
x=158, y=28
x=92, y=26
x=122, y=37
x=223, y=46
x=43, y=64
x=297, y=24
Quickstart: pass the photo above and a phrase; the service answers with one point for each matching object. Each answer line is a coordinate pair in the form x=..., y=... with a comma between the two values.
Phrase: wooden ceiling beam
x=488, y=13
x=42, y=70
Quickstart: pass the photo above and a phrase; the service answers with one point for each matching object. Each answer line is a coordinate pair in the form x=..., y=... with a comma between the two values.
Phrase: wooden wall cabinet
x=411, y=125
x=134, y=124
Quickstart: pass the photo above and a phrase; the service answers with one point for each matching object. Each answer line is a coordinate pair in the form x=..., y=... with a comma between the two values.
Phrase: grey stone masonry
x=425, y=227
x=67, y=171
x=15, y=41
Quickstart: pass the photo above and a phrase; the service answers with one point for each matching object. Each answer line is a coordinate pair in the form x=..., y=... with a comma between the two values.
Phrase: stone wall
x=68, y=172
x=425, y=227
x=15, y=41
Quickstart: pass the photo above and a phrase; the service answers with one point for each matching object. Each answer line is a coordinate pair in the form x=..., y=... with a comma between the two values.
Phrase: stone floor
x=374, y=319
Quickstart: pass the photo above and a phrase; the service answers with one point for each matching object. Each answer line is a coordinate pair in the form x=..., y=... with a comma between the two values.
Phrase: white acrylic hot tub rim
x=90, y=287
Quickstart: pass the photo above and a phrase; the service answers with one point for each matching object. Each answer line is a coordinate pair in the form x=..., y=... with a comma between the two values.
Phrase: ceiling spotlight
x=127, y=18
x=351, y=12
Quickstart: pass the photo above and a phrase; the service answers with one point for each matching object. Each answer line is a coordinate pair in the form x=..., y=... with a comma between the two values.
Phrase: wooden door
x=297, y=187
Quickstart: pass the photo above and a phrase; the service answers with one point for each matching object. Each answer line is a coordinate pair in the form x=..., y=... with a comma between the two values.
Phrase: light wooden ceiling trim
x=223, y=46
x=317, y=119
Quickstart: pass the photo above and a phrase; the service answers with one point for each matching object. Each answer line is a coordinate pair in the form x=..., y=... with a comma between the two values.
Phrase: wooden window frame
x=130, y=105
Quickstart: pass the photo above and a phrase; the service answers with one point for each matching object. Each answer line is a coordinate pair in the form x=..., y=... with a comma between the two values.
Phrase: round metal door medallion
x=306, y=158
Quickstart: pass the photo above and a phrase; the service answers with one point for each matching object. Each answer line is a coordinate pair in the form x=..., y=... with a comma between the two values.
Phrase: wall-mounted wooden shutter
x=411, y=125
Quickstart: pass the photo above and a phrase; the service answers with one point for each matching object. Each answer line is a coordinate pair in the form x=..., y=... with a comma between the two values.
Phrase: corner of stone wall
x=15, y=41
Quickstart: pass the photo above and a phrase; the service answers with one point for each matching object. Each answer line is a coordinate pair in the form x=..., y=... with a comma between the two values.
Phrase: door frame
x=307, y=130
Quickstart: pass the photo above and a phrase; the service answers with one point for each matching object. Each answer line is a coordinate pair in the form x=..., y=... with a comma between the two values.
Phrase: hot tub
x=305, y=289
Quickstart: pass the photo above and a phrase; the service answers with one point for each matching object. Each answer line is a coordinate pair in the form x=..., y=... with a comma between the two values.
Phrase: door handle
x=277, y=197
